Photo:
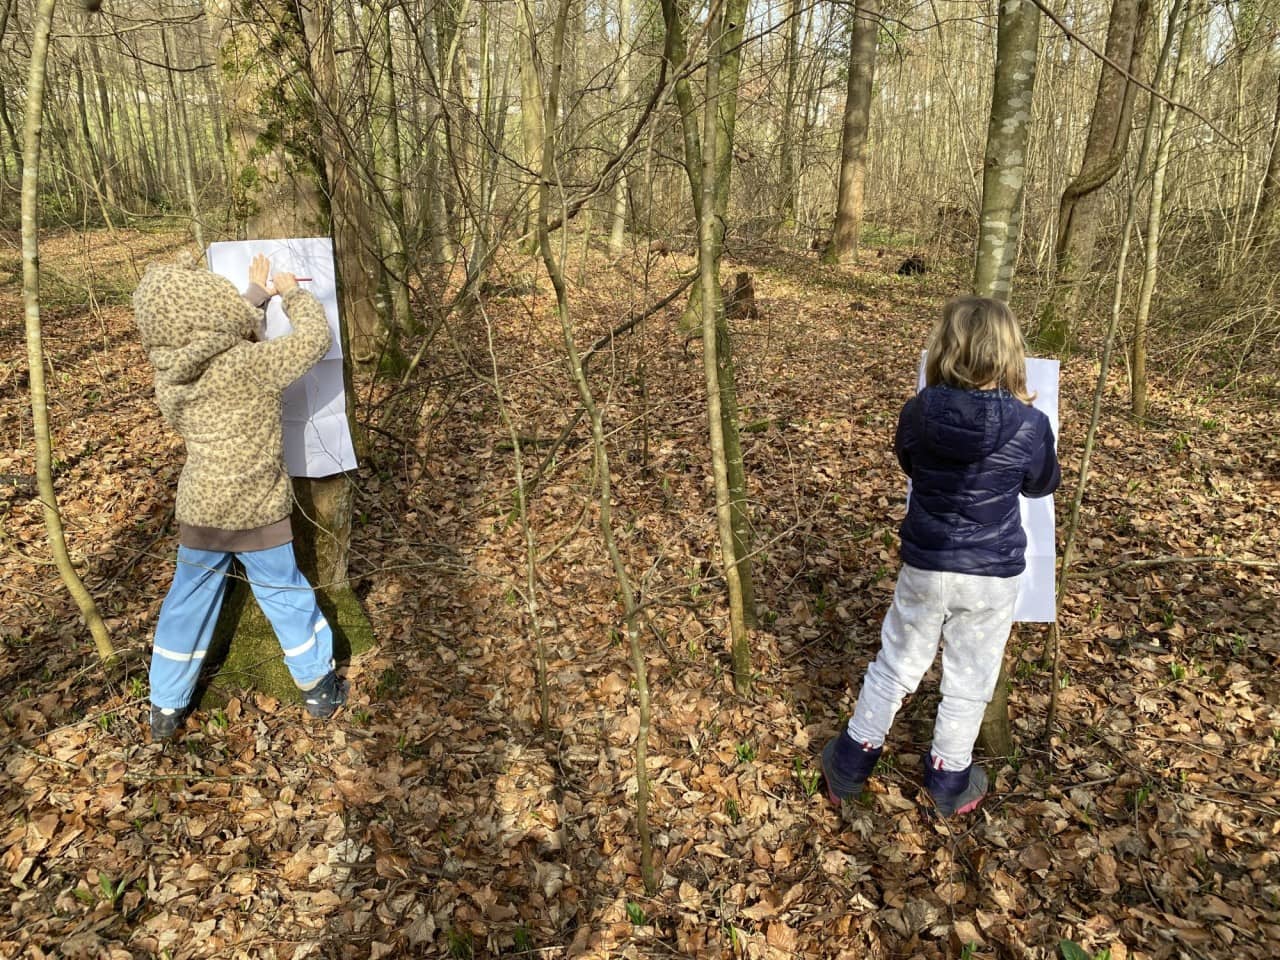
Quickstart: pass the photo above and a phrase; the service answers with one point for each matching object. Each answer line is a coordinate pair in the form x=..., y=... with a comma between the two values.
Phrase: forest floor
x=431, y=817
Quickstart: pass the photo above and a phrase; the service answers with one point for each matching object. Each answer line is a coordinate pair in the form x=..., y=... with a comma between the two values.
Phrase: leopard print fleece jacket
x=221, y=391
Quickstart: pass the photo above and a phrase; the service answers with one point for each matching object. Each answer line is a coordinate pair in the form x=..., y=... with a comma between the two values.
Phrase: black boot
x=955, y=791
x=846, y=764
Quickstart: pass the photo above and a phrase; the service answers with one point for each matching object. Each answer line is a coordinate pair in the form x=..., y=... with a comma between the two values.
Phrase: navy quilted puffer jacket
x=969, y=454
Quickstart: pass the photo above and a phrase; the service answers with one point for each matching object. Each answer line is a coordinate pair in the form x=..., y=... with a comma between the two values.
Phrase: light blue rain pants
x=190, y=612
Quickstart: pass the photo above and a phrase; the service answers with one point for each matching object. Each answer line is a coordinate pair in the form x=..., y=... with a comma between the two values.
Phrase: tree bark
x=101, y=185
x=147, y=145
x=105, y=122
x=726, y=52
x=351, y=221
x=1004, y=167
x=853, y=138
x=1017, y=40
x=15, y=144
x=35, y=348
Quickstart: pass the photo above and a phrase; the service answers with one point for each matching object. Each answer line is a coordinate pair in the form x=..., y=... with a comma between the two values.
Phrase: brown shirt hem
x=236, y=541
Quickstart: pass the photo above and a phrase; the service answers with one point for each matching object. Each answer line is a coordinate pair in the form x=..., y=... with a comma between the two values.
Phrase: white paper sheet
x=1036, y=588
x=317, y=436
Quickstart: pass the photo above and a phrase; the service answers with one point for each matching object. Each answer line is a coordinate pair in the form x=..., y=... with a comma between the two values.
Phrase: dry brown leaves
x=433, y=819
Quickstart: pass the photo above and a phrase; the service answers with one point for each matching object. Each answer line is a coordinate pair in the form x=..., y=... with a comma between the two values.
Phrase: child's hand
x=259, y=270
x=284, y=282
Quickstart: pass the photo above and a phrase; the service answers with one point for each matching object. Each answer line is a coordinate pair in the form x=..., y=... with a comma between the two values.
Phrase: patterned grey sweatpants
x=972, y=615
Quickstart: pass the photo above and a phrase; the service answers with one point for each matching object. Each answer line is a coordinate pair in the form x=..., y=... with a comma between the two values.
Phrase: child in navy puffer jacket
x=971, y=443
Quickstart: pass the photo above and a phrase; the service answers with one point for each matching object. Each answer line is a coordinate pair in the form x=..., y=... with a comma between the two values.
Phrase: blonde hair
x=978, y=342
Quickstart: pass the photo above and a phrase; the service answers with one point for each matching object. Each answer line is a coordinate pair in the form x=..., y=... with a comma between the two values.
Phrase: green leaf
x=1071, y=950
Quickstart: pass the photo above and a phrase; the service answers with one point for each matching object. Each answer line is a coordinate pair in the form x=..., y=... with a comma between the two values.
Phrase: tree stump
x=740, y=303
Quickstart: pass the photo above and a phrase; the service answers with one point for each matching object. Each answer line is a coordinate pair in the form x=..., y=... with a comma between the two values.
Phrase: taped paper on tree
x=317, y=436
x=1037, y=601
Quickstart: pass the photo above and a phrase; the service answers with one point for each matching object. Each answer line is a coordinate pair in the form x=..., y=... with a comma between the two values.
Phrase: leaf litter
x=433, y=819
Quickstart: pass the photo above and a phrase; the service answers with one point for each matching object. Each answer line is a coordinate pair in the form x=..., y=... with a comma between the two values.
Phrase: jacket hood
x=965, y=425
x=186, y=317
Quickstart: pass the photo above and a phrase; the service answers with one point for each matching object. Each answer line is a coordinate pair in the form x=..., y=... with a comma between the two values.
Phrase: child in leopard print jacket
x=219, y=386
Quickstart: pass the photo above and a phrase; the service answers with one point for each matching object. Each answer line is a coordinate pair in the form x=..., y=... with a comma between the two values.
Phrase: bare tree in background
x=851, y=198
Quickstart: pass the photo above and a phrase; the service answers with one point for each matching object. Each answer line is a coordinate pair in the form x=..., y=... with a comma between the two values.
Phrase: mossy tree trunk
x=726, y=50
x=714, y=355
x=279, y=101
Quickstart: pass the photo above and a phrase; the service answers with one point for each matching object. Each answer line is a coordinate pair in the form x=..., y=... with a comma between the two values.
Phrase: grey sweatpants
x=972, y=615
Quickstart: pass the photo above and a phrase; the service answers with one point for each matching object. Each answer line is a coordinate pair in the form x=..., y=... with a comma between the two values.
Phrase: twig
x=1169, y=560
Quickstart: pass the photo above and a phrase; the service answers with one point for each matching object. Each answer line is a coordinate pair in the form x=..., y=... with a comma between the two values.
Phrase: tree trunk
x=708, y=269
x=995, y=735
x=618, y=228
x=220, y=142
x=1109, y=126
x=531, y=118
x=1004, y=167
x=1154, y=223
x=351, y=221
x=786, y=148
x=1017, y=41
x=726, y=52
x=386, y=145
x=279, y=195
x=101, y=185
x=431, y=44
x=150, y=173
x=853, y=139
x=105, y=123
x=35, y=348
x=15, y=146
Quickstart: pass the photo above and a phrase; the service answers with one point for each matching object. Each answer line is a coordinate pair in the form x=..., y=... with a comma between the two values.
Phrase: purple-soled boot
x=846, y=764
x=955, y=792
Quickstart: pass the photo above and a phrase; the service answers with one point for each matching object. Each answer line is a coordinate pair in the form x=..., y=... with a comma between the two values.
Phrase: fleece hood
x=186, y=317
x=964, y=426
